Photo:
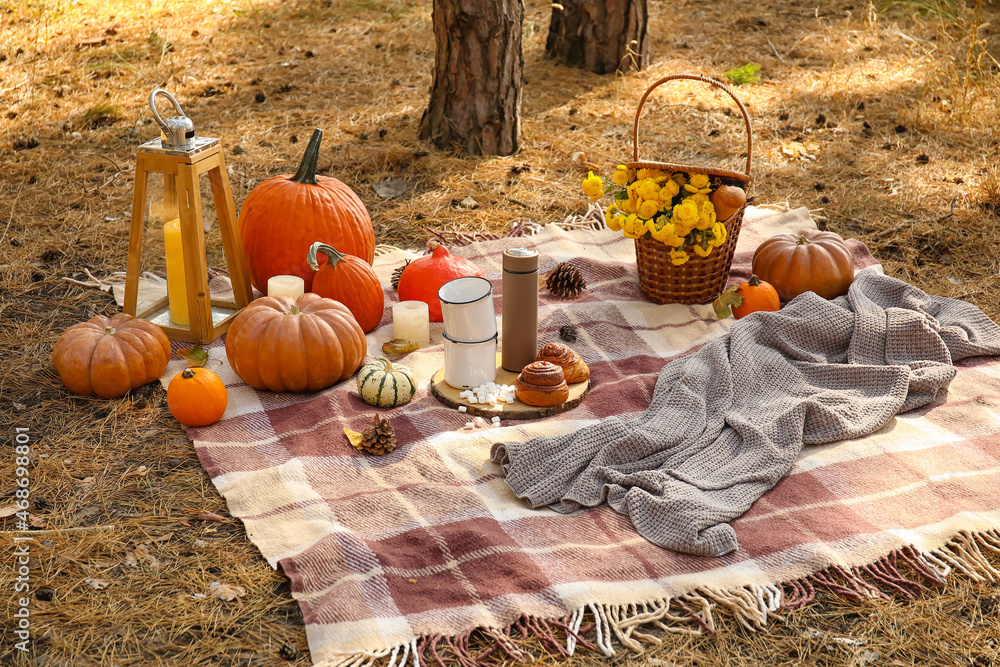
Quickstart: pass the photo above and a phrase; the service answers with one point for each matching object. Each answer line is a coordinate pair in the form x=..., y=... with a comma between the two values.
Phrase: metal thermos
x=519, y=340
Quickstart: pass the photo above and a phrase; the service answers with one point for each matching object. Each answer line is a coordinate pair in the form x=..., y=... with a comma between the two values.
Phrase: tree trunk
x=475, y=100
x=602, y=36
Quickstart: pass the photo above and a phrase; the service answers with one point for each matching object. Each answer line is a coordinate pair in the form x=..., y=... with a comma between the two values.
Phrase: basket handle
x=693, y=77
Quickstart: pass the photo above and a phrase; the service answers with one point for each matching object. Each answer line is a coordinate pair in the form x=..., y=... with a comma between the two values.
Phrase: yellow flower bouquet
x=675, y=209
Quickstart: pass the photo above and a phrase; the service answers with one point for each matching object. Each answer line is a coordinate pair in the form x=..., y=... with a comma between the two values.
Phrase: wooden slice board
x=448, y=395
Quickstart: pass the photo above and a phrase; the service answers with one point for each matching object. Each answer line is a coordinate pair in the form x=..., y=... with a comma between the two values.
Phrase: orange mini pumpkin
x=304, y=344
x=197, y=397
x=811, y=260
x=757, y=295
x=349, y=280
x=107, y=357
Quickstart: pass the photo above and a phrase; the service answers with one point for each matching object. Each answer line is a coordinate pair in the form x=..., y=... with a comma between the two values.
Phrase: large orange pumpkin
x=107, y=357
x=285, y=214
x=811, y=260
x=304, y=344
x=349, y=280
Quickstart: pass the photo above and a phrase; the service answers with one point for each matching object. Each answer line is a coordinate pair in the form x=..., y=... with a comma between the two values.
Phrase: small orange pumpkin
x=811, y=260
x=197, y=397
x=349, y=280
x=304, y=344
x=107, y=357
x=757, y=295
x=727, y=199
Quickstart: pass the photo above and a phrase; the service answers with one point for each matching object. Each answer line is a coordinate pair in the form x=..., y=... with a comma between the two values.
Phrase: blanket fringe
x=905, y=572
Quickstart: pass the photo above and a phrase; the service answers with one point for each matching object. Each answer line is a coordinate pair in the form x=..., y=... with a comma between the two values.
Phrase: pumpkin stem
x=803, y=240
x=110, y=330
x=389, y=368
x=307, y=168
x=754, y=280
x=333, y=256
x=188, y=373
x=294, y=310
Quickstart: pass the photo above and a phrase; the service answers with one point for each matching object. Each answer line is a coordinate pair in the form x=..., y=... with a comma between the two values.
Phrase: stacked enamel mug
x=470, y=332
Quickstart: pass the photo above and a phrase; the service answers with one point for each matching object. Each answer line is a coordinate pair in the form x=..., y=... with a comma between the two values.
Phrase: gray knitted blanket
x=726, y=423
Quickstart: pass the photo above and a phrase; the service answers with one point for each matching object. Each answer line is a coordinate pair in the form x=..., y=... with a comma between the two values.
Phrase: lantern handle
x=156, y=114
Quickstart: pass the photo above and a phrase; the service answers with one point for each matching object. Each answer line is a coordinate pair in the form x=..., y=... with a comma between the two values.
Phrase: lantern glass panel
x=163, y=290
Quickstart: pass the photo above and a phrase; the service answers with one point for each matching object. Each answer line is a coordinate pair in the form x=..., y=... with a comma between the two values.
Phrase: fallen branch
x=61, y=531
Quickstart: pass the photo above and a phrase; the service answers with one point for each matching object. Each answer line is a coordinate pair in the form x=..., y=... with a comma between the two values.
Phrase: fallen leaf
x=138, y=472
x=726, y=301
x=161, y=538
x=210, y=516
x=199, y=544
x=143, y=552
x=392, y=188
x=225, y=592
x=469, y=202
x=197, y=596
x=196, y=356
x=355, y=438
x=184, y=522
x=867, y=656
x=8, y=511
x=37, y=521
x=97, y=584
x=399, y=346
x=130, y=560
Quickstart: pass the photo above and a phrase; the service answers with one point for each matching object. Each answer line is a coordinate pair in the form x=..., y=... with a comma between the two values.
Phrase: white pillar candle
x=292, y=286
x=411, y=321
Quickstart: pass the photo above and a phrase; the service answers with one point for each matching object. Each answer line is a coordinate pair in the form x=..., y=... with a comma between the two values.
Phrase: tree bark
x=601, y=36
x=475, y=102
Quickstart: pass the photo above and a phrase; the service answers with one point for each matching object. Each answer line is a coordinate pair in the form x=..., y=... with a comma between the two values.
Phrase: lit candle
x=176, y=282
x=411, y=321
x=292, y=286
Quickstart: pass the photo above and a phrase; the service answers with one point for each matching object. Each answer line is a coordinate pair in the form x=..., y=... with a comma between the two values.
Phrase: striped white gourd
x=386, y=385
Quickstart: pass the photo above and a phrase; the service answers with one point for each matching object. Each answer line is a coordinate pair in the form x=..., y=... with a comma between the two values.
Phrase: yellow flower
x=610, y=212
x=678, y=257
x=702, y=252
x=621, y=176
x=679, y=178
x=649, y=208
x=685, y=213
x=593, y=187
x=706, y=216
x=632, y=227
x=627, y=205
x=719, y=232
x=615, y=223
x=669, y=191
x=647, y=189
x=662, y=230
x=700, y=181
x=698, y=199
x=648, y=173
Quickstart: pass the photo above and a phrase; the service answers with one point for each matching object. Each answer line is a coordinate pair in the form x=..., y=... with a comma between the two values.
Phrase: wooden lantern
x=188, y=312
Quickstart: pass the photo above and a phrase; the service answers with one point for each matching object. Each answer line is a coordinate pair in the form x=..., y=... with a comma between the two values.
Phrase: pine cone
x=566, y=281
x=397, y=274
x=567, y=333
x=379, y=438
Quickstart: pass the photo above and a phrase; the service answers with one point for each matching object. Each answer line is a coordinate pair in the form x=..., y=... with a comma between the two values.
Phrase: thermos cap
x=520, y=260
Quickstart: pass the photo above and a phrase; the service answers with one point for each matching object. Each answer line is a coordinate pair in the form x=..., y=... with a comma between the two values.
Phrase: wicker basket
x=700, y=279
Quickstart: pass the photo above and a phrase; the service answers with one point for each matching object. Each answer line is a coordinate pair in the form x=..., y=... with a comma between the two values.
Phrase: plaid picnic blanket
x=405, y=556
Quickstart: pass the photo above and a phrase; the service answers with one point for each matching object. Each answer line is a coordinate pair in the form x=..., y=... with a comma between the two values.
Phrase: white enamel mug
x=467, y=309
x=469, y=364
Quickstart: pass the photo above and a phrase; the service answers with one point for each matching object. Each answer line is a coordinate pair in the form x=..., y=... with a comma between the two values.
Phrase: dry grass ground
x=883, y=120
